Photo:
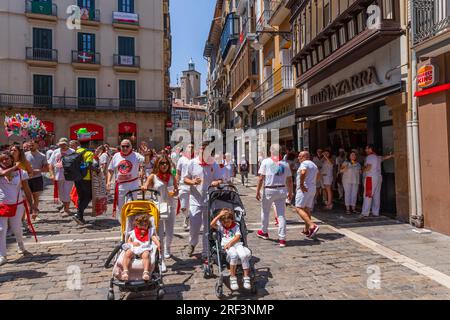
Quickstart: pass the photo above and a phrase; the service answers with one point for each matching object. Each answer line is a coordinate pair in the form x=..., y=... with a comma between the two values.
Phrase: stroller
x=224, y=196
x=130, y=211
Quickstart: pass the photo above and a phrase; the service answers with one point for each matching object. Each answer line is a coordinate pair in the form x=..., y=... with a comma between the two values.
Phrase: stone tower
x=190, y=83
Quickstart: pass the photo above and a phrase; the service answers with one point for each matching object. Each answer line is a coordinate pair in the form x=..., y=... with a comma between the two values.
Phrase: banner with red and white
x=125, y=17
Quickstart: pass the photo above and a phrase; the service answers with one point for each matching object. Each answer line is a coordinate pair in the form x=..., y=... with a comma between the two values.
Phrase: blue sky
x=191, y=21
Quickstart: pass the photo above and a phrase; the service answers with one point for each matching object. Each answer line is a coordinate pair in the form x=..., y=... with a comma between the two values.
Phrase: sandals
x=125, y=275
x=146, y=276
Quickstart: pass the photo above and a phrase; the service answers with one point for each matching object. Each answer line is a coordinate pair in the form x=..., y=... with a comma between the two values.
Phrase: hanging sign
x=427, y=76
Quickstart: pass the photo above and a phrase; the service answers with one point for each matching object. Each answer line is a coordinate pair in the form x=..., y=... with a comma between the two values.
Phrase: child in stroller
x=142, y=243
x=231, y=242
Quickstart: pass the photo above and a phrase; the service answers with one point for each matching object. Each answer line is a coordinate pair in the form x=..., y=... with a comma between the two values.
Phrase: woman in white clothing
x=327, y=173
x=351, y=174
x=165, y=183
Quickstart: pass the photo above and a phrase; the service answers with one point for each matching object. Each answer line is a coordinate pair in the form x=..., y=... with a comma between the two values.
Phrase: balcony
x=276, y=87
x=125, y=20
x=430, y=19
x=84, y=60
x=37, y=57
x=123, y=63
x=79, y=103
x=279, y=12
x=90, y=17
x=36, y=10
x=229, y=38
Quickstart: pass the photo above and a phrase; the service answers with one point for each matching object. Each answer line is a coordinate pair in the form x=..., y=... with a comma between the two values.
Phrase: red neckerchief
x=202, y=161
x=137, y=233
x=222, y=166
x=125, y=155
x=276, y=159
x=227, y=230
x=164, y=177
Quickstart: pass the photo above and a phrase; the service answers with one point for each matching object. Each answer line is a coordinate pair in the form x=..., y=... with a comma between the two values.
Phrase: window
x=342, y=35
x=334, y=42
x=326, y=13
x=351, y=29
x=86, y=92
x=320, y=15
x=320, y=53
x=304, y=67
x=126, y=6
x=88, y=4
x=86, y=42
x=42, y=89
x=360, y=22
x=127, y=93
x=308, y=61
x=42, y=44
x=327, y=48
x=314, y=57
x=126, y=46
x=388, y=9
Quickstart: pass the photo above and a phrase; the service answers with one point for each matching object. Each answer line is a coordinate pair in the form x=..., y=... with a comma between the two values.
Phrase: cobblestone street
x=338, y=265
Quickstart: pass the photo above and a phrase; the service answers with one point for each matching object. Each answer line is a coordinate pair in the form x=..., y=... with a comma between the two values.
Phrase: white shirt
x=375, y=161
x=352, y=174
x=182, y=166
x=275, y=173
x=10, y=191
x=228, y=170
x=126, y=168
x=327, y=168
x=311, y=175
x=56, y=162
x=208, y=174
x=228, y=234
x=48, y=154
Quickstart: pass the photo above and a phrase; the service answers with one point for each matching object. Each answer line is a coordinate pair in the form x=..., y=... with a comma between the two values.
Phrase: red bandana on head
x=139, y=236
x=164, y=177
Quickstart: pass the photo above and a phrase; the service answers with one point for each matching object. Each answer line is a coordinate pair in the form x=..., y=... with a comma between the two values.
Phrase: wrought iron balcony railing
x=37, y=7
x=41, y=54
x=82, y=103
x=85, y=57
x=429, y=18
x=127, y=61
x=280, y=80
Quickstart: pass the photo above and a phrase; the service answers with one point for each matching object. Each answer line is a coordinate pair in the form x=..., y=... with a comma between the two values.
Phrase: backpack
x=244, y=167
x=74, y=167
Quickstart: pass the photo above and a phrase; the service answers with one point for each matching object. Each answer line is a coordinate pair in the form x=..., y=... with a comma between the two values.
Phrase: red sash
x=9, y=210
x=116, y=193
x=369, y=187
x=30, y=225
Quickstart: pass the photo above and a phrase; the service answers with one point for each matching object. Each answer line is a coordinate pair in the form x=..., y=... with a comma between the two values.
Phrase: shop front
x=359, y=105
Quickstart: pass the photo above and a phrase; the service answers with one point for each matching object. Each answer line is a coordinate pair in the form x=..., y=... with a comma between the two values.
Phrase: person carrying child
x=142, y=243
x=232, y=243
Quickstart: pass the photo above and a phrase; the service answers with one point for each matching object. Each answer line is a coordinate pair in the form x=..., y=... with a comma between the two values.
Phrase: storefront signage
x=169, y=124
x=427, y=76
x=270, y=115
x=357, y=81
x=125, y=17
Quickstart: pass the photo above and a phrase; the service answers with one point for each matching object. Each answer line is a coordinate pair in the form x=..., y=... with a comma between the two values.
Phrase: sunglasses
x=164, y=164
x=127, y=146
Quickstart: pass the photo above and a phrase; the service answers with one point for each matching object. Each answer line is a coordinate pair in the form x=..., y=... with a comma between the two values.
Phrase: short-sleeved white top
x=275, y=173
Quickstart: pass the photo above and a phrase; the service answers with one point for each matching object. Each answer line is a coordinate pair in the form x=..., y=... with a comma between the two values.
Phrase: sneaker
x=190, y=250
x=247, y=283
x=78, y=220
x=21, y=248
x=262, y=235
x=282, y=243
x=313, y=231
x=3, y=260
x=167, y=255
x=186, y=224
x=163, y=267
x=234, y=286
x=276, y=221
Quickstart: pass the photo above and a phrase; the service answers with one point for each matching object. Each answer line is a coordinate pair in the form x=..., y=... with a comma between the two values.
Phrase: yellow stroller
x=130, y=211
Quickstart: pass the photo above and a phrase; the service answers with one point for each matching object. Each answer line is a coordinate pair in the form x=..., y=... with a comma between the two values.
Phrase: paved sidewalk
x=338, y=265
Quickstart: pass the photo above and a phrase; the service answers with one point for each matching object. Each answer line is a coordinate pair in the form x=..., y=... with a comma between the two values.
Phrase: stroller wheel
x=219, y=291
x=160, y=294
x=110, y=296
x=206, y=272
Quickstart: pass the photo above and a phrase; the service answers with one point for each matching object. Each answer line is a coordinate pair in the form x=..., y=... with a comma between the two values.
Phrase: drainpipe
x=413, y=138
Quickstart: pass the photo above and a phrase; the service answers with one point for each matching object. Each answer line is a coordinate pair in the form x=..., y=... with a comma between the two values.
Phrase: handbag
x=9, y=210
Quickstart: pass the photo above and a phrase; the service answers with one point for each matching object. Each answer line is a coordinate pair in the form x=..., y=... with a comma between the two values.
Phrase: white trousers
x=16, y=227
x=239, y=252
x=374, y=202
x=123, y=190
x=184, y=201
x=351, y=194
x=64, y=189
x=277, y=197
x=198, y=216
x=166, y=229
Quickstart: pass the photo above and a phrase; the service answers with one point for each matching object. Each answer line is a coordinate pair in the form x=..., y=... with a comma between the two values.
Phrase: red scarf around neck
x=125, y=154
x=227, y=230
x=137, y=233
x=276, y=159
x=164, y=177
x=202, y=161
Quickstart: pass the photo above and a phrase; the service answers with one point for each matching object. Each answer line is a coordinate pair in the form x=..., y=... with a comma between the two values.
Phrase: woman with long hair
x=327, y=173
x=19, y=156
x=165, y=183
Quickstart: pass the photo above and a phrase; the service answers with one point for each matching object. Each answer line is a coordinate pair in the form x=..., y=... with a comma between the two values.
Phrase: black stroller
x=224, y=196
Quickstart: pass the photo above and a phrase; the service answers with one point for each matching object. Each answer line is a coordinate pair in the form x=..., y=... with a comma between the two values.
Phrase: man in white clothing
x=184, y=192
x=277, y=179
x=201, y=173
x=125, y=165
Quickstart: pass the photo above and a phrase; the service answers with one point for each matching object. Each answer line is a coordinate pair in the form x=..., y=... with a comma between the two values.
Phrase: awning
x=127, y=128
x=49, y=126
x=94, y=128
x=333, y=108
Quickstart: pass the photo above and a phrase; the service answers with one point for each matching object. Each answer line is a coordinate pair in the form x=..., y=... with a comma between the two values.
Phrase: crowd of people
x=182, y=178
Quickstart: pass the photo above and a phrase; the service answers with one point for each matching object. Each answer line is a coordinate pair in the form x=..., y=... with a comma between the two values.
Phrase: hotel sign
x=427, y=76
x=355, y=82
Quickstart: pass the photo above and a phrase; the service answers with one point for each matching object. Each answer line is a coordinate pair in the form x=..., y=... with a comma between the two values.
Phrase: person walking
x=165, y=183
x=184, y=192
x=125, y=165
x=327, y=174
x=307, y=177
x=318, y=161
x=57, y=175
x=351, y=174
x=372, y=182
x=276, y=178
x=202, y=172
x=39, y=165
x=243, y=170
